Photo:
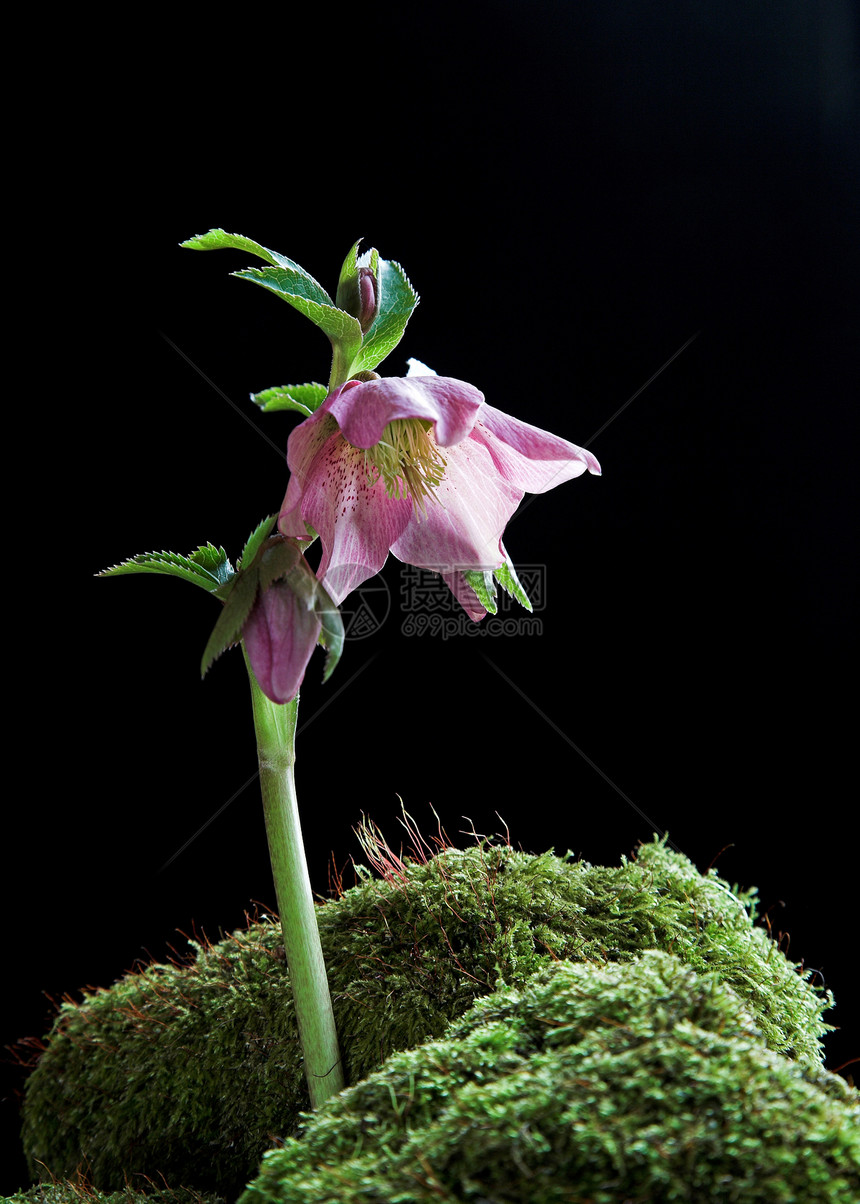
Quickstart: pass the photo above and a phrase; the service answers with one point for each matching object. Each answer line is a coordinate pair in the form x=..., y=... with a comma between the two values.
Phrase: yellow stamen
x=407, y=460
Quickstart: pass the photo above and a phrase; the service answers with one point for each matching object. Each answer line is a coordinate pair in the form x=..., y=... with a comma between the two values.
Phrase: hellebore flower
x=279, y=635
x=290, y=615
x=420, y=466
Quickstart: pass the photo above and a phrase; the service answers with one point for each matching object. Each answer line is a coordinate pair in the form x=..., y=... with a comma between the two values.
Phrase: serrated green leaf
x=397, y=300
x=208, y=567
x=228, y=630
x=217, y=240
x=214, y=560
x=348, y=273
x=482, y=584
x=256, y=540
x=348, y=296
x=295, y=289
x=282, y=558
x=507, y=578
x=305, y=399
x=331, y=633
x=342, y=329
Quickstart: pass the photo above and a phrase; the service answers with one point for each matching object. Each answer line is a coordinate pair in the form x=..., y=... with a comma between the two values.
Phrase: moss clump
x=82, y=1193
x=193, y=1070
x=599, y=1083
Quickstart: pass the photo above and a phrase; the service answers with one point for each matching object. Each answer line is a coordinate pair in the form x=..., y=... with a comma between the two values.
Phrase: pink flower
x=420, y=466
x=291, y=613
x=279, y=635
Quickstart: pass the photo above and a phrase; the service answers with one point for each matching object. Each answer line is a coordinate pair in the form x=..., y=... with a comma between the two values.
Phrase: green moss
x=193, y=1070
x=638, y=1081
x=81, y=1193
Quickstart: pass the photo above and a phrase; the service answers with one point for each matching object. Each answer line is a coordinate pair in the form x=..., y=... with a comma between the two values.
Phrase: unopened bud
x=368, y=299
x=359, y=296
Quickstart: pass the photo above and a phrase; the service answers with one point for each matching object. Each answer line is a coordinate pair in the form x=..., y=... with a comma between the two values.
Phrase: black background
x=575, y=190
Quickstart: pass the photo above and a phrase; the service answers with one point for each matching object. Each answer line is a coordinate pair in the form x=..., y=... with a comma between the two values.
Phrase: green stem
x=275, y=726
x=341, y=366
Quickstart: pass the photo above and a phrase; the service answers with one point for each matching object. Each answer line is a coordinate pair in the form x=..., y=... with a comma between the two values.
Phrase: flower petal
x=465, y=595
x=529, y=458
x=363, y=409
x=303, y=446
x=280, y=634
x=356, y=520
x=465, y=515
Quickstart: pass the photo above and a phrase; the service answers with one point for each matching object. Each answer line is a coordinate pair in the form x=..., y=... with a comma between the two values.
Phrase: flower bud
x=368, y=290
x=280, y=634
x=359, y=296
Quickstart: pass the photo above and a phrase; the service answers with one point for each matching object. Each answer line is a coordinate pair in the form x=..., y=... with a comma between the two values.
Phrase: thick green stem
x=275, y=725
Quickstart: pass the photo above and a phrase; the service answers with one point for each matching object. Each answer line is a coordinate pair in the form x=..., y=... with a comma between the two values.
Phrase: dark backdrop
x=576, y=191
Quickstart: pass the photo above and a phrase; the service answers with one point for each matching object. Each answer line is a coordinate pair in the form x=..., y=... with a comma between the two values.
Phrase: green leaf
x=208, y=567
x=214, y=560
x=283, y=558
x=300, y=292
x=217, y=240
x=482, y=584
x=304, y=398
x=342, y=329
x=397, y=300
x=256, y=540
x=507, y=578
x=348, y=273
x=331, y=634
x=228, y=630
x=348, y=296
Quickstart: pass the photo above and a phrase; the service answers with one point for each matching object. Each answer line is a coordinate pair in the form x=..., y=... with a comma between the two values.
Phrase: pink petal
x=465, y=595
x=465, y=516
x=280, y=634
x=357, y=521
x=529, y=458
x=303, y=447
x=363, y=409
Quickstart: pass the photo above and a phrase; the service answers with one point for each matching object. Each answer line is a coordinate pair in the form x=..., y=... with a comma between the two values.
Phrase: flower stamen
x=407, y=459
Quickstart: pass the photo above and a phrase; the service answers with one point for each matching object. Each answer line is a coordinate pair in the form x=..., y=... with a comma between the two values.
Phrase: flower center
x=407, y=459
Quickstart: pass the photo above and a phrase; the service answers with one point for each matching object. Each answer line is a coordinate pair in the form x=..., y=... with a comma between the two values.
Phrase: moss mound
x=192, y=1070
x=81, y=1193
x=642, y=1081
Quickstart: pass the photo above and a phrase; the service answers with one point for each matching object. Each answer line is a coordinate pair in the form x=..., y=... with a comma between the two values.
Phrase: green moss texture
x=80, y=1192
x=623, y=1082
x=191, y=1071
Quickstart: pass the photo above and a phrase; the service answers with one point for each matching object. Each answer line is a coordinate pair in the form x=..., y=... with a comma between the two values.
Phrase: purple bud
x=368, y=298
x=280, y=634
x=358, y=295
